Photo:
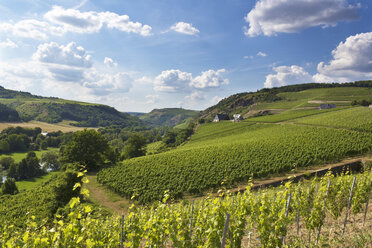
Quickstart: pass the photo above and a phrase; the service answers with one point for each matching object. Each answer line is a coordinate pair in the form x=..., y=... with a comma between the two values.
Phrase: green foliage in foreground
x=359, y=119
x=201, y=225
x=246, y=150
x=41, y=202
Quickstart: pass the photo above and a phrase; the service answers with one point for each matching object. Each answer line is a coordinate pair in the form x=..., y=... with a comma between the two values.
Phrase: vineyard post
x=226, y=227
x=366, y=210
x=348, y=205
x=325, y=205
x=286, y=209
x=192, y=211
x=122, y=231
x=298, y=212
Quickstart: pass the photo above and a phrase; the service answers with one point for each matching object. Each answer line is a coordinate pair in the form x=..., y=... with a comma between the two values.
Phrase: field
x=46, y=127
x=34, y=182
x=228, y=153
x=18, y=156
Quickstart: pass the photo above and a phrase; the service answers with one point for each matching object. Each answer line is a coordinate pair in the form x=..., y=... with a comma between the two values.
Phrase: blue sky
x=140, y=55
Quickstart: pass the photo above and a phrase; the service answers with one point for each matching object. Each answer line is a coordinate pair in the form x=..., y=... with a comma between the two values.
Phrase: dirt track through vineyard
x=103, y=196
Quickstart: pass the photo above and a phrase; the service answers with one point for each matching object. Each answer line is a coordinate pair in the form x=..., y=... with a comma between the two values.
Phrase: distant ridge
x=24, y=106
x=168, y=116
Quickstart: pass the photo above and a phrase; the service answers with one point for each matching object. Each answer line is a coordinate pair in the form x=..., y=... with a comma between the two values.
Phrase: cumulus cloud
x=176, y=80
x=69, y=55
x=110, y=62
x=209, y=79
x=8, y=44
x=172, y=81
x=73, y=20
x=184, y=28
x=195, y=96
x=261, y=54
x=352, y=60
x=270, y=17
x=59, y=21
x=30, y=28
x=104, y=84
x=286, y=75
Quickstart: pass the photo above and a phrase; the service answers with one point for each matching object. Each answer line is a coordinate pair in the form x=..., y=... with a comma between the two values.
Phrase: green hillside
x=300, y=96
x=297, y=135
x=54, y=110
x=168, y=116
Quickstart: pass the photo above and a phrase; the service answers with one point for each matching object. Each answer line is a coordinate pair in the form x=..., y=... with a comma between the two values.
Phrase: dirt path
x=105, y=197
x=306, y=171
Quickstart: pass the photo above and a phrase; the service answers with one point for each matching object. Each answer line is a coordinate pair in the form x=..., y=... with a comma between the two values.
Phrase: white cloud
x=151, y=99
x=31, y=28
x=122, y=23
x=69, y=55
x=287, y=75
x=209, y=79
x=172, y=81
x=261, y=54
x=176, y=80
x=59, y=21
x=74, y=20
x=110, y=62
x=270, y=17
x=248, y=57
x=352, y=60
x=184, y=28
x=8, y=44
x=195, y=97
x=104, y=84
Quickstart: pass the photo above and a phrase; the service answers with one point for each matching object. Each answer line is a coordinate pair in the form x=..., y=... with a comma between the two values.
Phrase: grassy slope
x=301, y=99
x=55, y=110
x=35, y=182
x=63, y=126
x=234, y=150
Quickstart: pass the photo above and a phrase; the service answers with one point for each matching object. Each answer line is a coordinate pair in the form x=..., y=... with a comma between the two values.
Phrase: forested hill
x=168, y=116
x=286, y=97
x=23, y=106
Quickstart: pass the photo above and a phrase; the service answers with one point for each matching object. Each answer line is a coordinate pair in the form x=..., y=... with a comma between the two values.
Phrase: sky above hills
x=140, y=55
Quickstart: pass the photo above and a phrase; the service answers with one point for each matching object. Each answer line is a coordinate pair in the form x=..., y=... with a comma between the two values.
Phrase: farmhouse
x=327, y=106
x=221, y=117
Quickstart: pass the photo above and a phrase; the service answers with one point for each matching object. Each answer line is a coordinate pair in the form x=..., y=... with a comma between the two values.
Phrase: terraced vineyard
x=355, y=118
x=230, y=153
x=290, y=115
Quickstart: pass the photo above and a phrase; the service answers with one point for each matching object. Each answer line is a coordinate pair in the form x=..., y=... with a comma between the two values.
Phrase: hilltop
x=24, y=106
x=168, y=116
x=301, y=96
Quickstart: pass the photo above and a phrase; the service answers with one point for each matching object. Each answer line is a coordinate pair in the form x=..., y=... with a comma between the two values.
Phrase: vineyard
x=267, y=218
x=290, y=115
x=229, y=153
x=359, y=119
